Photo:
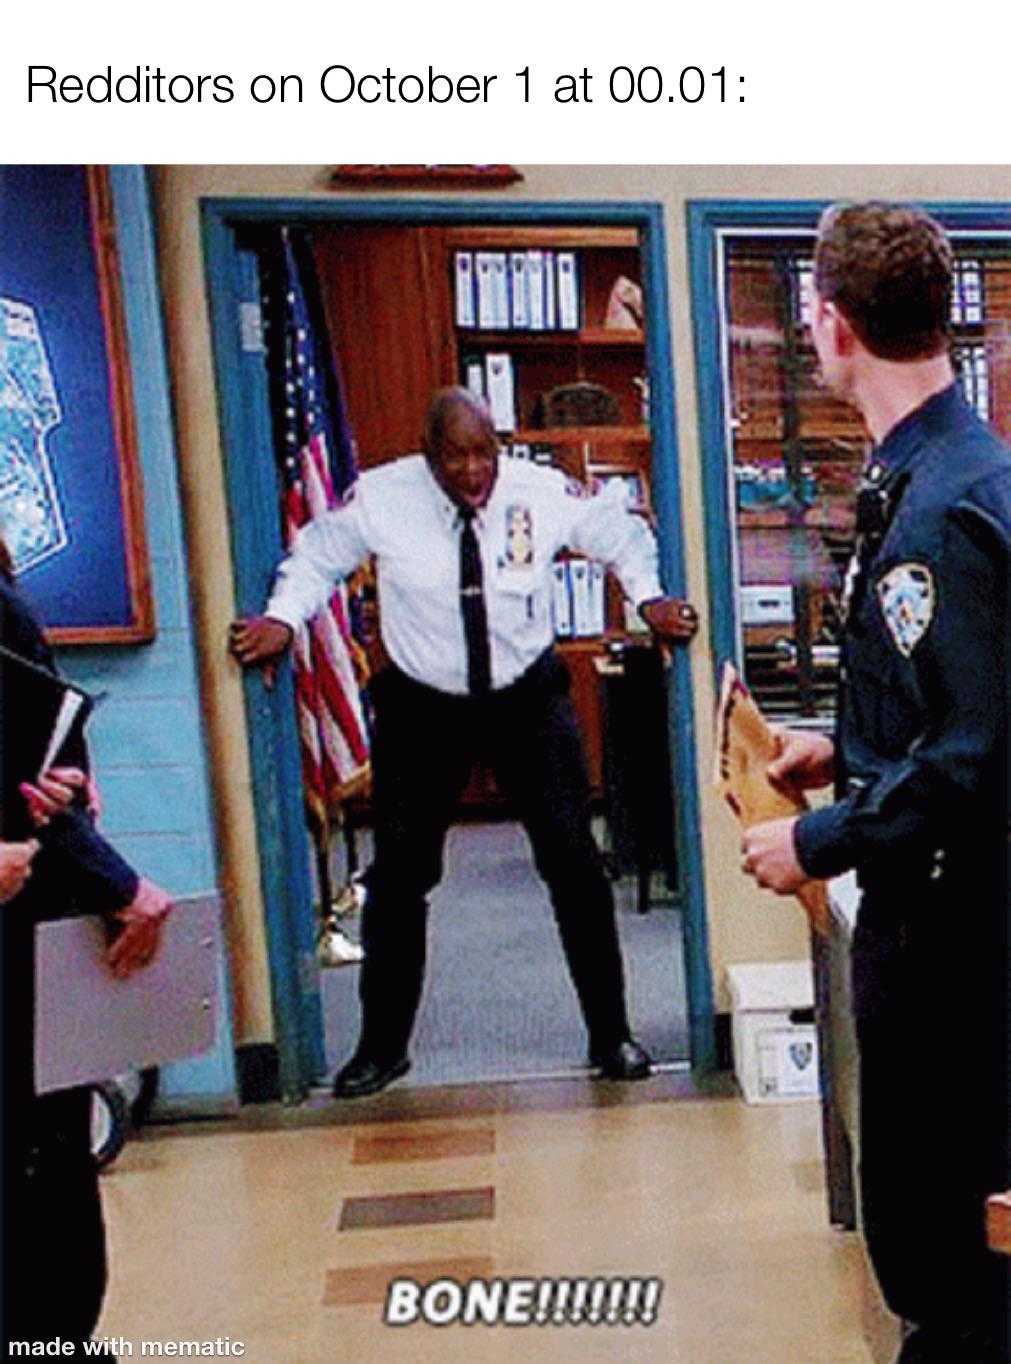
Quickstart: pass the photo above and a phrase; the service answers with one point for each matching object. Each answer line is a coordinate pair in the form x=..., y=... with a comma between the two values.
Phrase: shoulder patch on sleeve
x=575, y=487
x=908, y=599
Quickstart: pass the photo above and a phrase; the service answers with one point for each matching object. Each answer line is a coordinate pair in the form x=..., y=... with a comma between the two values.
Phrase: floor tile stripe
x=417, y=1209
x=368, y=1283
x=392, y=1147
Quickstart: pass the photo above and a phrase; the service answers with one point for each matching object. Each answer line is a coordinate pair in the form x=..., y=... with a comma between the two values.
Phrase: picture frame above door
x=395, y=176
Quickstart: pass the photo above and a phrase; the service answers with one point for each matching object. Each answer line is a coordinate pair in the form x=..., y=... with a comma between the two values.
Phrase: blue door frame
x=707, y=218
x=256, y=547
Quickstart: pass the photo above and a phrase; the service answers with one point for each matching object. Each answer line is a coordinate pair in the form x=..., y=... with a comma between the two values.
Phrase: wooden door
x=386, y=295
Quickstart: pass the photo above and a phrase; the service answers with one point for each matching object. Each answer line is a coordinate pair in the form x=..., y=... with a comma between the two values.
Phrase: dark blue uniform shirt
x=76, y=870
x=921, y=736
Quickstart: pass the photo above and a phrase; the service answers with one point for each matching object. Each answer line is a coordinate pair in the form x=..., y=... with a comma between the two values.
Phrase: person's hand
x=143, y=920
x=769, y=855
x=259, y=641
x=673, y=620
x=54, y=792
x=15, y=866
x=806, y=760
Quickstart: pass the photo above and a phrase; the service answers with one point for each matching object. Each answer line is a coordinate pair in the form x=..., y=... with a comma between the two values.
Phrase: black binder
x=59, y=710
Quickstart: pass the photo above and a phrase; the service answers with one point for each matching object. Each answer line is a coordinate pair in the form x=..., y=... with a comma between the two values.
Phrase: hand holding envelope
x=746, y=745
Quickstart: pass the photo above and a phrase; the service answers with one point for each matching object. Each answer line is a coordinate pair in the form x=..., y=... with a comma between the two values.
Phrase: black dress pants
x=425, y=745
x=54, y=1235
x=53, y=1243
x=930, y=996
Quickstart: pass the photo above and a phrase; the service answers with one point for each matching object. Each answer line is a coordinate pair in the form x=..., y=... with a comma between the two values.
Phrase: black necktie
x=475, y=615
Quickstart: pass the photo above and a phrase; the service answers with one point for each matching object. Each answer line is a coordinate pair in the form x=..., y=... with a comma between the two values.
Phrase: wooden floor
x=284, y=1239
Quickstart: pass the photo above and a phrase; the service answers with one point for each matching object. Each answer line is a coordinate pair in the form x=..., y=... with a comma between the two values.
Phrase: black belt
x=543, y=670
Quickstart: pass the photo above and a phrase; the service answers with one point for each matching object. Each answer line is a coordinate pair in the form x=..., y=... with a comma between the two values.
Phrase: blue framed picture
x=71, y=499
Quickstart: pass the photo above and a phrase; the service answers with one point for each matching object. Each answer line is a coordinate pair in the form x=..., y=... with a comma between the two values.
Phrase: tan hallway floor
x=236, y=1233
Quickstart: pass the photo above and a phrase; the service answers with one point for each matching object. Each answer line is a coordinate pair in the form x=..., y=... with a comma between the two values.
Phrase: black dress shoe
x=362, y=1076
x=625, y=1061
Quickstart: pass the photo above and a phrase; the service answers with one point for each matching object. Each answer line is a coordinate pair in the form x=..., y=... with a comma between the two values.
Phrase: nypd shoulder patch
x=908, y=599
x=575, y=487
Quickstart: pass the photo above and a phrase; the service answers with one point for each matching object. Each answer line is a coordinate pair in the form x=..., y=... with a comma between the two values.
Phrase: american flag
x=317, y=466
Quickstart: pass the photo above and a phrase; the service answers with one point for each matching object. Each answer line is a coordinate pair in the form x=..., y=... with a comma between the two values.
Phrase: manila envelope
x=745, y=745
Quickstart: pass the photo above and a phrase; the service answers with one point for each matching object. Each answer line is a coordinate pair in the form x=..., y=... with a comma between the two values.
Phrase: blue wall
x=147, y=737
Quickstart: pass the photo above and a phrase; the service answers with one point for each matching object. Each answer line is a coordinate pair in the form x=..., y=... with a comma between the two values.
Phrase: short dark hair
x=889, y=268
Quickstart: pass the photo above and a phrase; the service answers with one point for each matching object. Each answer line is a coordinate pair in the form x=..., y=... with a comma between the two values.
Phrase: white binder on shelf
x=982, y=383
x=561, y=599
x=466, y=310
x=598, y=597
x=519, y=306
x=500, y=389
x=550, y=293
x=485, y=284
x=473, y=375
x=568, y=291
x=582, y=615
x=535, y=290
x=90, y=1025
x=972, y=291
x=500, y=290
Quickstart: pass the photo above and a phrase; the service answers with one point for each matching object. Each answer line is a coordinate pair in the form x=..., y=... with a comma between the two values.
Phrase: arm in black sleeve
x=906, y=805
x=101, y=880
x=77, y=857
x=22, y=634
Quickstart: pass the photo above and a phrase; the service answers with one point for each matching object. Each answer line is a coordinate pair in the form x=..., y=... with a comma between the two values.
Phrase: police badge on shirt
x=519, y=537
x=517, y=561
x=908, y=598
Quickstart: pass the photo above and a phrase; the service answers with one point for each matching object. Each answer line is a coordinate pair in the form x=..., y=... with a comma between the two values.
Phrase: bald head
x=448, y=405
x=461, y=445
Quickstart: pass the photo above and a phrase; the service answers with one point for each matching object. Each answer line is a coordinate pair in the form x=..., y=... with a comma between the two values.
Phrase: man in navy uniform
x=464, y=544
x=920, y=765
x=54, y=1254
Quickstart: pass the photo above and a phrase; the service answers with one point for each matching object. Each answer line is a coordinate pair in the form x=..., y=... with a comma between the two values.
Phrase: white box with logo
x=774, y=1040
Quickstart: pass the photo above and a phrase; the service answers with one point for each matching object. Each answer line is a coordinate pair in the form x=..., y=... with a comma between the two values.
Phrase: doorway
x=245, y=420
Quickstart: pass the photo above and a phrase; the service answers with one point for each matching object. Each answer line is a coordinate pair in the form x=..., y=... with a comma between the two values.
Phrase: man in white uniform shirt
x=464, y=544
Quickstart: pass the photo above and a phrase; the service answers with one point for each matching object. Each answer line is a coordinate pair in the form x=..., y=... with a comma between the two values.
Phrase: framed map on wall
x=71, y=499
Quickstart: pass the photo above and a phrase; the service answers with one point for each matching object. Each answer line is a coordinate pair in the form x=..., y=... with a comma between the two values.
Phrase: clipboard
x=90, y=1026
